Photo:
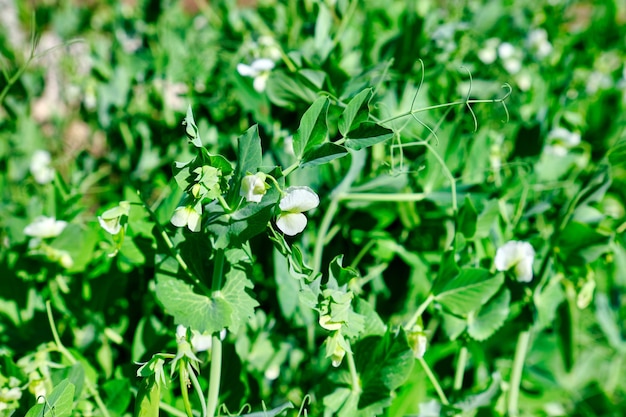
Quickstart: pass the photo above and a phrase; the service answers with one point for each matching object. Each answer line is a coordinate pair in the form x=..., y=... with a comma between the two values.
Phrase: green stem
x=184, y=390
x=444, y=105
x=68, y=355
x=291, y=168
x=523, y=341
x=321, y=234
x=171, y=410
x=460, y=369
x=419, y=312
x=354, y=375
x=395, y=197
x=364, y=250
x=433, y=380
x=197, y=388
x=215, y=373
x=168, y=242
x=356, y=166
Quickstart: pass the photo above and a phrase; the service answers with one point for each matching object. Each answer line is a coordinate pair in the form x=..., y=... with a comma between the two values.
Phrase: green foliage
x=325, y=208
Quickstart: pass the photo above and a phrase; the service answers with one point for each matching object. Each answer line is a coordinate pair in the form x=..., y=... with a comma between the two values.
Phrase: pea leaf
x=323, y=153
x=367, y=134
x=313, y=130
x=229, y=307
x=491, y=317
x=191, y=129
x=384, y=363
x=468, y=217
x=200, y=312
x=58, y=404
x=356, y=112
x=148, y=398
x=249, y=156
x=284, y=90
x=468, y=291
x=235, y=294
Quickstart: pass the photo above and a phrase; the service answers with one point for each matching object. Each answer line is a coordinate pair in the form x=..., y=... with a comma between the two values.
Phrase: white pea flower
x=539, y=43
x=40, y=167
x=510, y=58
x=111, y=220
x=199, y=342
x=560, y=140
x=518, y=255
x=488, y=53
x=44, y=227
x=259, y=70
x=297, y=200
x=253, y=187
x=189, y=216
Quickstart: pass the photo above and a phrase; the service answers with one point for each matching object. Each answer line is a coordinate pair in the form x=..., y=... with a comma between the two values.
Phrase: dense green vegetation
x=313, y=208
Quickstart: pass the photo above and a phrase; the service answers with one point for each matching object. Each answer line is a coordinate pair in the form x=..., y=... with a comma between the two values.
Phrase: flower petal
x=246, y=70
x=299, y=199
x=180, y=216
x=519, y=255
x=262, y=64
x=291, y=223
x=113, y=226
x=45, y=227
x=194, y=221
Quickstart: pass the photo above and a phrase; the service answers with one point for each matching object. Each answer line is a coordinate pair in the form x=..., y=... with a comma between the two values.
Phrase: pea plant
x=316, y=208
x=203, y=273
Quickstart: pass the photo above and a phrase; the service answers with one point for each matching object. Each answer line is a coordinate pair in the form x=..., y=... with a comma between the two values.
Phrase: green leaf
x=356, y=112
x=384, y=363
x=468, y=217
x=547, y=301
x=448, y=270
x=148, y=398
x=374, y=325
x=487, y=219
x=468, y=291
x=237, y=297
x=453, y=326
x=58, y=404
x=316, y=78
x=367, y=134
x=202, y=313
x=313, y=130
x=339, y=274
x=191, y=129
x=491, y=317
x=582, y=244
x=117, y=395
x=284, y=90
x=249, y=156
x=322, y=154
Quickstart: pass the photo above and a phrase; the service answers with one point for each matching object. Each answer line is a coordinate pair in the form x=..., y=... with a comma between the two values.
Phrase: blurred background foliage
x=103, y=88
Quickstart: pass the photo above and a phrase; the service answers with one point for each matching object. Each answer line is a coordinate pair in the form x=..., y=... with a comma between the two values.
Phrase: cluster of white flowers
x=295, y=201
x=516, y=255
